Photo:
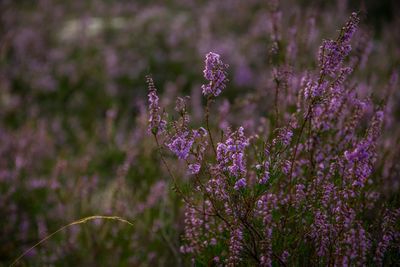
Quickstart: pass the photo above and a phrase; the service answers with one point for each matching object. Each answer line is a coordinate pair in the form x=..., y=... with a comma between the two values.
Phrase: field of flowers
x=199, y=133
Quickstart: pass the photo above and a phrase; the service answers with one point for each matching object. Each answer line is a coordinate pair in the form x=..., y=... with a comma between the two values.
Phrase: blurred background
x=73, y=139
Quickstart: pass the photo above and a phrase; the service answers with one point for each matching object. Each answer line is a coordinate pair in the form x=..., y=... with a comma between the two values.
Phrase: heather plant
x=300, y=192
x=285, y=152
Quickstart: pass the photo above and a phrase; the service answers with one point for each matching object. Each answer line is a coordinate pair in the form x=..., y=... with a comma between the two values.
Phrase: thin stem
x=298, y=142
x=208, y=126
x=174, y=180
x=80, y=221
x=276, y=102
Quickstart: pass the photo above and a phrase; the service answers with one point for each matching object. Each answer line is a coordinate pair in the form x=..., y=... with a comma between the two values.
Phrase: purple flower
x=358, y=154
x=320, y=230
x=350, y=28
x=156, y=124
x=284, y=136
x=332, y=53
x=264, y=179
x=235, y=246
x=241, y=183
x=194, y=168
x=285, y=255
x=230, y=155
x=181, y=144
x=286, y=166
x=215, y=73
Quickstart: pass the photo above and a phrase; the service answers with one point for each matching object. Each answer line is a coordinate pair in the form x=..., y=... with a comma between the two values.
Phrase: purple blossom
x=320, y=233
x=265, y=206
x=156, y=124
x=230, y=155
x=215, y=73
x=360, y=153
x=389, y=234
x=265, y=176
x=285, y=255
x=199, y=147
x=331, y=56
x=194, y=168
x=350, y=28
x=284, y=136
x=235, y=246
x=264, y=179
x=181, y=144
x=286, y=166
x=193, y=226
x=241, y=183
x=332, y=53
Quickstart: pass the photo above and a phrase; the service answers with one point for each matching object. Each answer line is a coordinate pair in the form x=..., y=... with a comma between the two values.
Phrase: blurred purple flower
x=215, y=73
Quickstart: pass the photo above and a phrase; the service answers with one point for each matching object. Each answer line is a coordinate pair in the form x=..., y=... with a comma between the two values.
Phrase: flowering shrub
x=286, y=152
x=301, y=192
